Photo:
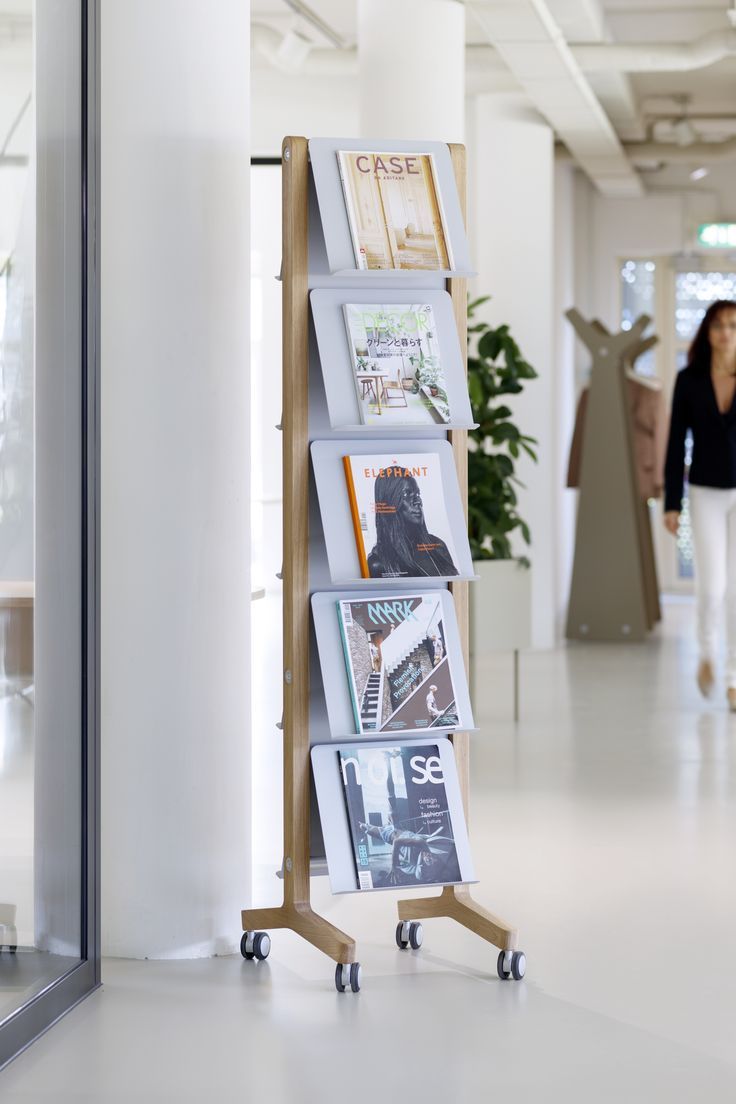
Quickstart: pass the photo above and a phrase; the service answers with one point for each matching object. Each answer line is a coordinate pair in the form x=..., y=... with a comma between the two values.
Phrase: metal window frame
x=44, y=1009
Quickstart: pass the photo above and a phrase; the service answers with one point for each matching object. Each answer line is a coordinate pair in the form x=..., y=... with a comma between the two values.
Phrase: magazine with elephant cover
x=399, y=815
x=395, y=213
x=399, y=516
x=397, y=365
x=398, y=667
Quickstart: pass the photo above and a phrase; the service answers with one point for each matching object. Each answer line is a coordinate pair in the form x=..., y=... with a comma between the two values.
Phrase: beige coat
x=649, y=416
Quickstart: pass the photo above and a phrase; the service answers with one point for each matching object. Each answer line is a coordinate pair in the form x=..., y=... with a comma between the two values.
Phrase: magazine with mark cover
x=399, y=515
x=394, y=210
x=398, y=666
x=397, y=364
x=399, y=816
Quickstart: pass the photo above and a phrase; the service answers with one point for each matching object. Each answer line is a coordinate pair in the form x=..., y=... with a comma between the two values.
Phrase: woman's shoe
x=706, y=678
x=731, y=694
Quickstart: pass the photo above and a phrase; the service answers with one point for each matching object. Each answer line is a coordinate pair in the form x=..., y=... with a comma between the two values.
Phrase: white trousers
x=713, y=519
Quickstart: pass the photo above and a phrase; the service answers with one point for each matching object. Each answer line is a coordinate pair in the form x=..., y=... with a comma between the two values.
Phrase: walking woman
x=704, y=402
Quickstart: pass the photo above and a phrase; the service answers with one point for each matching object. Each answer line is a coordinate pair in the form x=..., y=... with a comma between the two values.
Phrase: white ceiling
x=633, y=102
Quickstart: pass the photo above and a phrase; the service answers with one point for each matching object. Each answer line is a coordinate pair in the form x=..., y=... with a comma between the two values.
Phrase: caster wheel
x=261, y=945
x=511, y=964
x=402, y=935
x=518, y=965
x=255, y=945
x=348, y=976
x=416, y=935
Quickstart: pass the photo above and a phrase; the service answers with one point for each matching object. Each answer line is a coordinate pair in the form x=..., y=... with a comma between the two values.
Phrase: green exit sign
x=717, y=235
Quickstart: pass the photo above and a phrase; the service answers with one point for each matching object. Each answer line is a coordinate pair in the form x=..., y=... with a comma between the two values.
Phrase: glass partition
x=48, y=495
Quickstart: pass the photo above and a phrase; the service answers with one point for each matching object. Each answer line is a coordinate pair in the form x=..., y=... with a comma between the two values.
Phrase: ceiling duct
x=699, y=153
x=656, y=57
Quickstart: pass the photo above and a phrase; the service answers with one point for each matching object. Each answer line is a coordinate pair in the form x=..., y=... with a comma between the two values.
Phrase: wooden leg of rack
x=456, y=903
x=308, y=924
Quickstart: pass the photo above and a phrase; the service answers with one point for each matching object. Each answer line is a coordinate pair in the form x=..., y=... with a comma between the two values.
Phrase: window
x=637, y=298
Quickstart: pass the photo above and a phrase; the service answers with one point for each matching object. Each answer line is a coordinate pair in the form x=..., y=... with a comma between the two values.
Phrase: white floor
x=604, y=826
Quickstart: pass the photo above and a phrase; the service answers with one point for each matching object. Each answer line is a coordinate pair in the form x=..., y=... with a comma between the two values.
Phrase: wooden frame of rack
x=296, y=912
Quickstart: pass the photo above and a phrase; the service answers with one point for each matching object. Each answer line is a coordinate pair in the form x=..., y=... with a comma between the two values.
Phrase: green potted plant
x=501, y=599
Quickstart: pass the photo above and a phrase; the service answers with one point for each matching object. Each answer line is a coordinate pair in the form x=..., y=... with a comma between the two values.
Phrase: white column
x=511, y=159
x=175, y=471
x=565, y=501
x=412, y=69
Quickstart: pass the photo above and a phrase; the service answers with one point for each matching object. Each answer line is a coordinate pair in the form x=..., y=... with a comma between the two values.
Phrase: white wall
x=313, y=107
x=175, y=477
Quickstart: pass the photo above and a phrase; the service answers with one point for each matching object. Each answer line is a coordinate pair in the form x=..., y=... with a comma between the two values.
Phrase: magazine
x=399, y=516
x=399, y=817
x=395, y=210
x=396, y=363
x=397, y=662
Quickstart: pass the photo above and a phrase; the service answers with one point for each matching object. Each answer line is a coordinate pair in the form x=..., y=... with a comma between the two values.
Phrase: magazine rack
x=296, y=911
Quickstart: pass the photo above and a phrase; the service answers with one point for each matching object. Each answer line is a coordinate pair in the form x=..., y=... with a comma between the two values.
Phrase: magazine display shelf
x=296, y=913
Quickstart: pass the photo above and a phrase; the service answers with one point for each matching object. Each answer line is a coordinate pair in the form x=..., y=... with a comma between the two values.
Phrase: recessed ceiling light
x=698, y=174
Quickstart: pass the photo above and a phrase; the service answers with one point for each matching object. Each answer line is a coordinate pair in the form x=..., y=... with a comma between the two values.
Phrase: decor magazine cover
x=400, y=516
x=395, y=212
x=397, y=365
x=400, y=822
x=398, y=667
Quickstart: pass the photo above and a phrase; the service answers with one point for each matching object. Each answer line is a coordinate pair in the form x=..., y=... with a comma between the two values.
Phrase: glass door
x=49, y=937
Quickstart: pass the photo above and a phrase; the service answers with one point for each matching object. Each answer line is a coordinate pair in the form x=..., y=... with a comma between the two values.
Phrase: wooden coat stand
x=614, y=594
x=296, y=911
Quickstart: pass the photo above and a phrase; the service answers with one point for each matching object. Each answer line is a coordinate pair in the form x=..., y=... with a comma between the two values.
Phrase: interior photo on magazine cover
x=398, y=668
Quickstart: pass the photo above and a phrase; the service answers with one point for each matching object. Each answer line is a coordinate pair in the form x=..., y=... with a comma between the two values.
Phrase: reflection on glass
x=40, y=812
x=17, y=224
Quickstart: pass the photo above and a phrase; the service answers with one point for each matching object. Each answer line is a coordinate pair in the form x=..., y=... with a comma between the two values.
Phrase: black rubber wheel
x=339, y=984
x=261, y=945
x=416, y=935
x=355, y=976
x=243, y=944
x=502, y=972
x=518, y=965
x=401, y=943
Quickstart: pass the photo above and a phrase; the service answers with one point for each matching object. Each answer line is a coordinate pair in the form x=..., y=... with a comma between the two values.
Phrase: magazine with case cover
x=394, y=210
x=400, y=822
x=397, y=366
x=398, y=667
x=399, y=515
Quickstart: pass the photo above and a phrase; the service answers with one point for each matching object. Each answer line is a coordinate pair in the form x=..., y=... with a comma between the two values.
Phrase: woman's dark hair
x=396, y=545
x=699, y=353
